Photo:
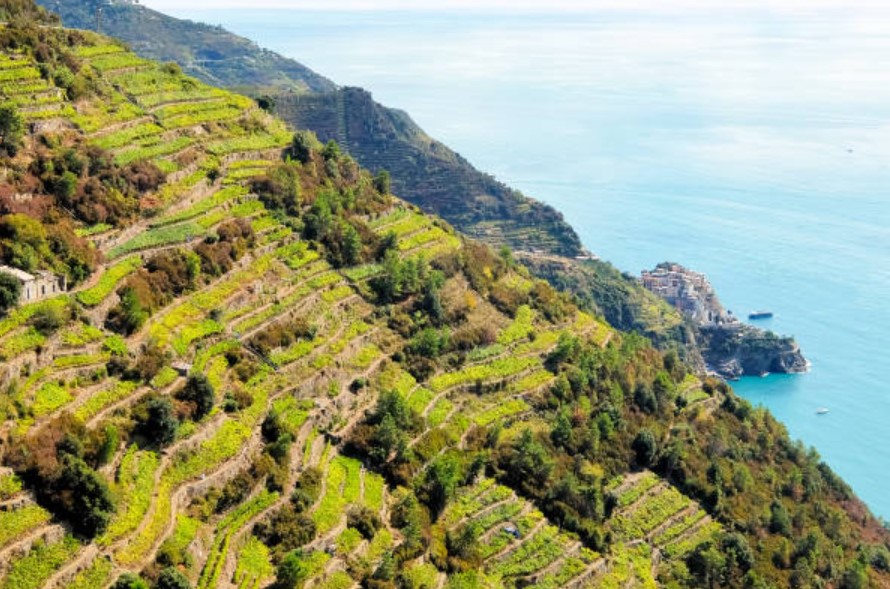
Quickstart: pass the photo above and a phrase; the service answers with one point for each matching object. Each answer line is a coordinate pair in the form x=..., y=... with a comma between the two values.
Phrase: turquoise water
x=751, y=146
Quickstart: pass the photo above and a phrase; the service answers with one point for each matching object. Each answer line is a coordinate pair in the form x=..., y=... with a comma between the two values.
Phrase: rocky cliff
x=744, y=350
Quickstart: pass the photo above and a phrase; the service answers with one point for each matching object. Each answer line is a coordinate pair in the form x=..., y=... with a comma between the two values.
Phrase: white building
x=37, y=286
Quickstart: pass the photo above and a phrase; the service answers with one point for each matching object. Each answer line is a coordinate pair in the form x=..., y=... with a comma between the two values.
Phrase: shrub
x=129, y=581
x=171, y=578
x=12, y=127
x=10, y=291
x=199, y=392
x=159, y=425
x=364, y=520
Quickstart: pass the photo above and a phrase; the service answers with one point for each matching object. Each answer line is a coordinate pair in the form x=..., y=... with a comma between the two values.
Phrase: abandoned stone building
x=37, y=286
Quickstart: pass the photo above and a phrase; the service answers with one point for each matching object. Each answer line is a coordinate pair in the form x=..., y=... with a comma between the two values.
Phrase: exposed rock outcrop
x=749, y=351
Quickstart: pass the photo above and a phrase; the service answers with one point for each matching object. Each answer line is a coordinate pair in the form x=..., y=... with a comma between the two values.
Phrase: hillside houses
x=688, y=291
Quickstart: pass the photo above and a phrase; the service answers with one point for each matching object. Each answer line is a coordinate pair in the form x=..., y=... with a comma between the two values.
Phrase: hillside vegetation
x=272, y=372
x=423, y=171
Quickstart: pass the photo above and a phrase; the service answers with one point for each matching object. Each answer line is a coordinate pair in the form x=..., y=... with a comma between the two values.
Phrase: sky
x=540, y=5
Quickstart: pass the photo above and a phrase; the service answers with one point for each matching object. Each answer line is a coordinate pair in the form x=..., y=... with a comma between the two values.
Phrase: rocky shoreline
x=749, y=351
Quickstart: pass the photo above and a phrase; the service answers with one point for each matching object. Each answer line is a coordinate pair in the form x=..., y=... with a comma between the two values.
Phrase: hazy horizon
x=174, y=6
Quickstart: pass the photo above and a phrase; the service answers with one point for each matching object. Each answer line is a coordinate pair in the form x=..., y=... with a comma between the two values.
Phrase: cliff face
x=429, y=174
x=748, y=351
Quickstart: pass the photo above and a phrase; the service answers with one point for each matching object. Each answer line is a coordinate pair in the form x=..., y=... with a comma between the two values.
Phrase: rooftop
x=20, y=274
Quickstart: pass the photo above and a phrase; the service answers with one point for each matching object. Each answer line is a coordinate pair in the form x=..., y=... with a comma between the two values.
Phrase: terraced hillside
x=270, y=372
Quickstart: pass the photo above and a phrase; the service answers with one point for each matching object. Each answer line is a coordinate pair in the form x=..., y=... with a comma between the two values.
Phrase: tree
x=780, y=522
x=171, y=578
x=527, y=464
x=128, y=316
x=266, y=102
x=352, y=245
x=429, y=343
x=293, y=571
x=363, y=519
x=383, y=182
x=855, y=577
x=10, y=291
x=707, y=564
x=645, y=399
x=561, y=434
x=645, y=448
x=83, y=496
x=160, y=424
x=12, y=127
x=130, y=581
x=301, y=146
x=198, y=391
x=440, y=480
x=331, y=151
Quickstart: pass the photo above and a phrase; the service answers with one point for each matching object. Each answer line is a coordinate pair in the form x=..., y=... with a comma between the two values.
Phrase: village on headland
x=730, y=348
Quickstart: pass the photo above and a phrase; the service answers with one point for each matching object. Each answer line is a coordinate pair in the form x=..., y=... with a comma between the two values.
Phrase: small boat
x=760, y=315
x=821, y=411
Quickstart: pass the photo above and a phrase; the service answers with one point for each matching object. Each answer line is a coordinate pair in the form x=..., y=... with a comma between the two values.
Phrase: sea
x=750, y=145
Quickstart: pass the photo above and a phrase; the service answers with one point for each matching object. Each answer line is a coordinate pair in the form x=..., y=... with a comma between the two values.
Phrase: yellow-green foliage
x=629, y=567
x=421, y=576
x=187, y=321
x=226, y=528
x=163, y=378
x=253, y=142
x=342, y=489
x=20, y=343
x=348, y=540
x=422, y=238
x=50, y=397
x=520, y=328
x=95, y=50
x=98, y=574
x=33, y=569
x=254, y=565
x=116, y=61
x=81, y=334
x=201, y=207
x=500, y=368
x=109, y=281
x=75, y=360
x=183, y=534
x=106, y=113
x=144, y=153
x=655, y=510
x=533, y=554
x=380, y=545
x=158, y=237
x=533, y=381
x=336, y=580
x=366, y=356
x=102, y=399
x=225, y=443
x=20, y=315
x=171, y=192
x=18, y=522
x=134, y=490
x=291, y=412
x=127, y=136
x=500, y=411
x=374, y=490
x=10, y=485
